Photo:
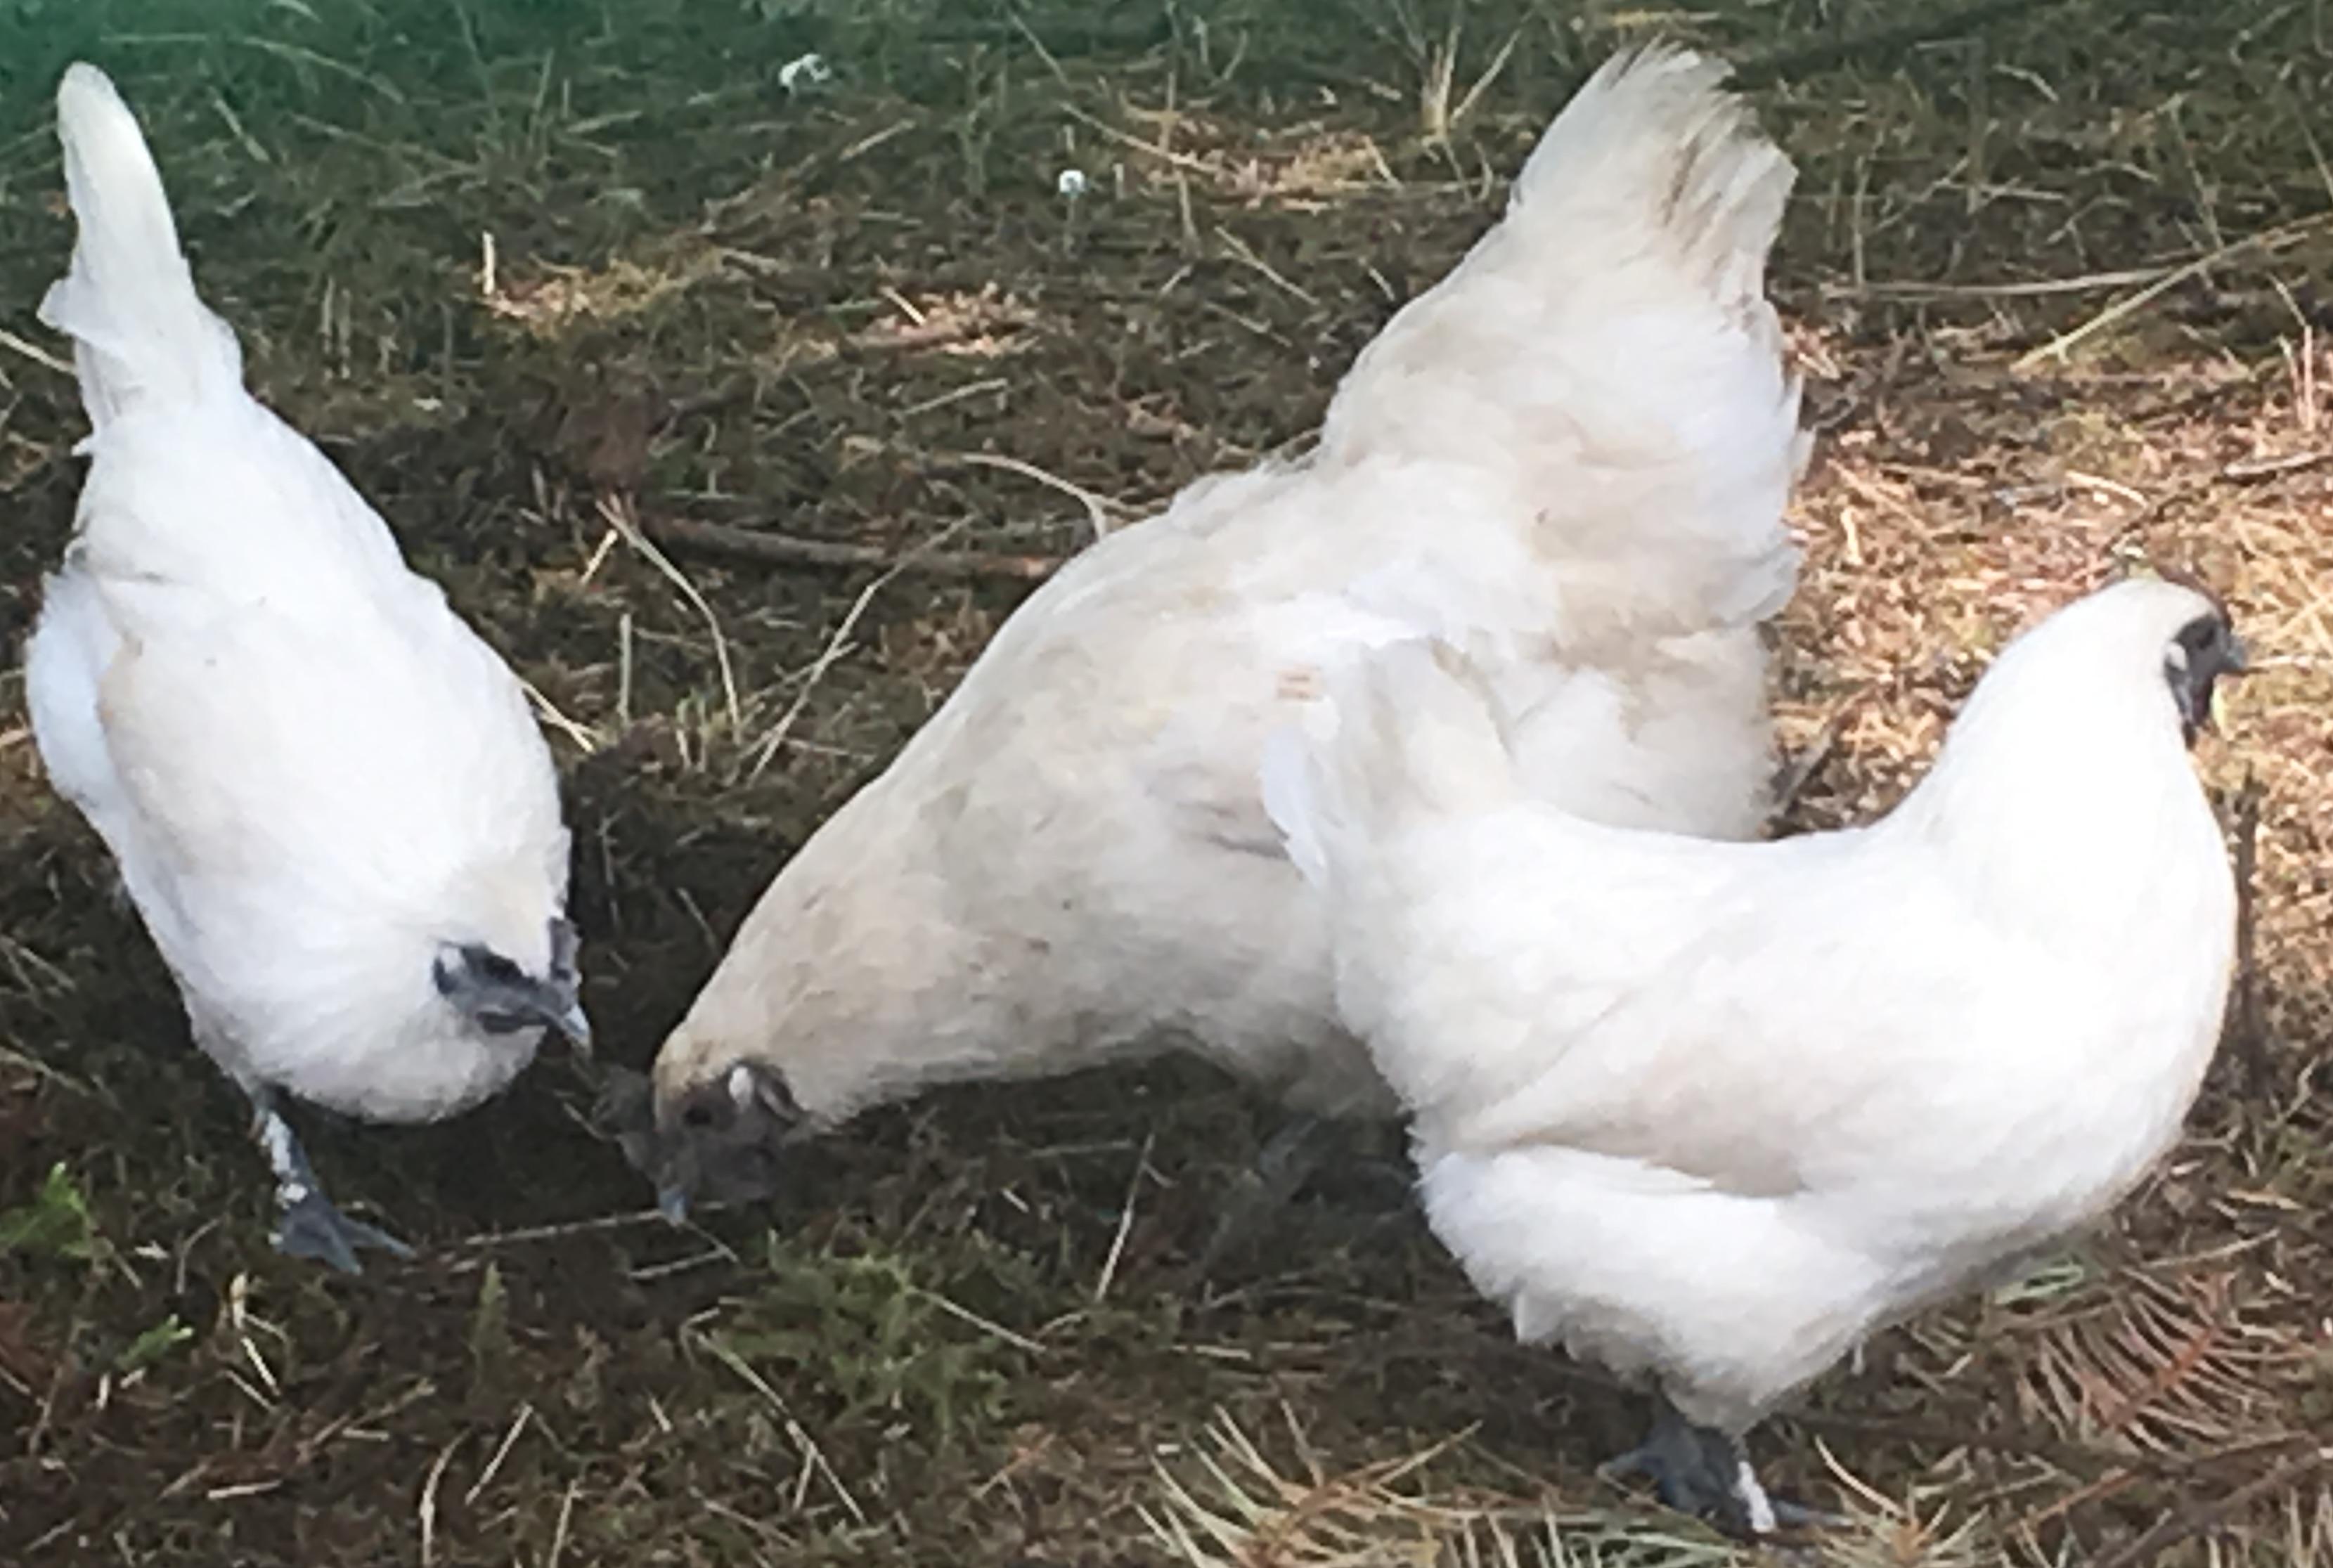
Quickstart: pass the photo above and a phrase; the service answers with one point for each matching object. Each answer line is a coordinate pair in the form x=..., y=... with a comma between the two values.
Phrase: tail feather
x=1655, y=148
x=129, y=300
x=1408, y=731
x=1610, y=351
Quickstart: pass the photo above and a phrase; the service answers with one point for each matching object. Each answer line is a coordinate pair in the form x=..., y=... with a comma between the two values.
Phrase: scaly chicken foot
x=1705, y=1472
x=311, y=1227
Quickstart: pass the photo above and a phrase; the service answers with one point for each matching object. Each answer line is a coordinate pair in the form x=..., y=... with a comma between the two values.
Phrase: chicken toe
x=1705, y=1472
x=311, y=1227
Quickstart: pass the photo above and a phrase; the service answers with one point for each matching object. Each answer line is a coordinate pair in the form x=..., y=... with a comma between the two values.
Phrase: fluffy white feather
x=317, y=781
x=1714, y=1112
x=1570, y=457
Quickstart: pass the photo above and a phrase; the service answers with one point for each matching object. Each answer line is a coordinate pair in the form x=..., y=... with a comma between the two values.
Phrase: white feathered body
x=1571, y=458
x=311, y=771
x=1715, y=1112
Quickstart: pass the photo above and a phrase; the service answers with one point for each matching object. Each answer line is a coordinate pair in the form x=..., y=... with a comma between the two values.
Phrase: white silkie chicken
x=327, y=797
x=1710, y=1113
x=1571, y=458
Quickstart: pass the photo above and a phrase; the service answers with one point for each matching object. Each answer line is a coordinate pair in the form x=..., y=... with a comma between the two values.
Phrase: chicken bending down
x=1708, y=1113
x=327, y=797
x=1570, y=458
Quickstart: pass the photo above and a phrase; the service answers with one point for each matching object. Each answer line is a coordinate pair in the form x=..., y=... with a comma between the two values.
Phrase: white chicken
x=1710, y=1113
x=327, y=797
x=1571, y=458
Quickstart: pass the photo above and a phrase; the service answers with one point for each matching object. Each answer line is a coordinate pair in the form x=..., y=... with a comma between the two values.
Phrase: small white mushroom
x=1071, y=185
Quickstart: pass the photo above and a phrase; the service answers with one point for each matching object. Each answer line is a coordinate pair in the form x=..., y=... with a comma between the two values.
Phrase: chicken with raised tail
x=327, y=798
x=1708, y=1113
x=1570, y=458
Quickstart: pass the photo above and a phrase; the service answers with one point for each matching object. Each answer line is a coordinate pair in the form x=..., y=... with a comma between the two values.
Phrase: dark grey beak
x=573, y=1026
x=721, y=1140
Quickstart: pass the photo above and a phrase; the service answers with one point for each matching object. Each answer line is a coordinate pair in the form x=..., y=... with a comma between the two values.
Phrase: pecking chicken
x=1710, y=1113
x=1570, y=458
x=327, y=797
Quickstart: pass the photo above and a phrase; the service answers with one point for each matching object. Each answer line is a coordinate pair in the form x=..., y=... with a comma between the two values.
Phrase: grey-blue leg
x=1702, y=1471
x=309, y=1225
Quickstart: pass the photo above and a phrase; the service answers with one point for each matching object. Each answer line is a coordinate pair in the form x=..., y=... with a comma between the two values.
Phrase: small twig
x=2248, y=1028
x=429, y=1508
x=2023, y=288
x=1483, y=83
x=1181, y=160
x=2271, y=467
x=558, y=1530
x=1125, y=1221
x=617, y=512
x=587, y=739
x=2204, y=1517
x=572, y=1228
x=1102, y=513
x=833, y=651
x=1021, y=26
x=765, y=548
x=501, y=1451
x=813, y=1457
x=1244, y=255
x=33, y=352
x=990, y=1327
x=2268, y=241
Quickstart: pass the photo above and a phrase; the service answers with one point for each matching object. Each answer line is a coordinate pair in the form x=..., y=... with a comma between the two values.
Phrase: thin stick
x=586, y=740
x=2251, y=1031
x=428, y=1509
x=501, y=1451
x=763, y=548
x=1019, y=1342
x=1242, y=253
x=558, y=1530
x=2260, y=468
x=1181, y=160
x=574, y=1228
x=618, y=512
x=1044, y=53
x=1125, y=1221
x=33, y=352
x=2270, y=241
x=2027, y=289
x=813, y=1457
x=1104, y=513
x=1483, y=83
x=2196, y=1521
x=827, y=656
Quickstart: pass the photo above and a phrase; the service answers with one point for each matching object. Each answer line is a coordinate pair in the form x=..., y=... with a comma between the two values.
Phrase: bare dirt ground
x=562, y=285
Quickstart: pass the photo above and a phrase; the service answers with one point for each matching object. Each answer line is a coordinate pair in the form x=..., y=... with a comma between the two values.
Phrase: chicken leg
x=1303, y=1145
x=1702, y=1471
x=311, y=1227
